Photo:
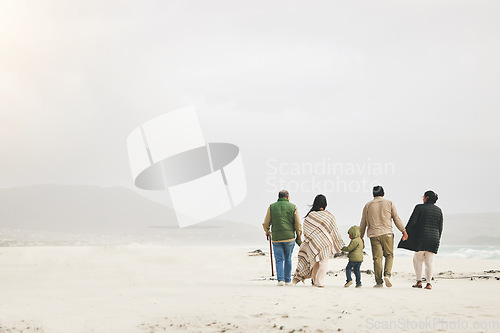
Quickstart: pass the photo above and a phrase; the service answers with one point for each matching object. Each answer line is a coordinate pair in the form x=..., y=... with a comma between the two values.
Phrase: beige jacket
x=377, y=218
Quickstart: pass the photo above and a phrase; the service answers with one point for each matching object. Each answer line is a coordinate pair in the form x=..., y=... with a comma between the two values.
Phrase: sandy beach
x=211, y=289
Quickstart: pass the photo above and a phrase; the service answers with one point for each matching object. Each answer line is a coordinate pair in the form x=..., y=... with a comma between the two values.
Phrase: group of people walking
x=322, y=239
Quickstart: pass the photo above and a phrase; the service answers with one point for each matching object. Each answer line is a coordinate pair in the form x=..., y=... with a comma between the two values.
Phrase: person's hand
x=405, y=236
x=298, y=241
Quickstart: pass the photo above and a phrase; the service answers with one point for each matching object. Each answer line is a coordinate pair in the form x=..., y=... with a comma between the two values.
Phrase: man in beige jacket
x=377, y=218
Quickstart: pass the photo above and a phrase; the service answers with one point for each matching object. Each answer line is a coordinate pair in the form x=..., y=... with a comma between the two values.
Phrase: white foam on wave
x=473, y=252
x=460, y=251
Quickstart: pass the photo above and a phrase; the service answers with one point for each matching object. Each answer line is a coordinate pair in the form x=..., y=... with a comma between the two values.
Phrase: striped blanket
x=321, y=240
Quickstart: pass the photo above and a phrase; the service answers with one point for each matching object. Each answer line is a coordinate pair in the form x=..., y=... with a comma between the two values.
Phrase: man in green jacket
x=283, y=219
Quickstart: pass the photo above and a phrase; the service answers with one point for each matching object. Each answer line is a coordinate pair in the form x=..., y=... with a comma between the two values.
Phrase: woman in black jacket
x=424, y=234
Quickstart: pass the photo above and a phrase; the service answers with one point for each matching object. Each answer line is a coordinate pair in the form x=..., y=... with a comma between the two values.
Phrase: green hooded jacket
x=355, y=247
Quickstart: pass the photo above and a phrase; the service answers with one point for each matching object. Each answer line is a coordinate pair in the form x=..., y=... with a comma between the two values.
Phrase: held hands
x=405, y=236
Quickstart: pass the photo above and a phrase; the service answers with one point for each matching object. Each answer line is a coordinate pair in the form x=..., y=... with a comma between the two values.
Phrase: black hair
x=378, y=191
x=319, y=202
x=431, y=196
x=283, y=194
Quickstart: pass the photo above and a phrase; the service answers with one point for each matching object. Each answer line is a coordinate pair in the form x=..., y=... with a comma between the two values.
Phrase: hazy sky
x=402, y=93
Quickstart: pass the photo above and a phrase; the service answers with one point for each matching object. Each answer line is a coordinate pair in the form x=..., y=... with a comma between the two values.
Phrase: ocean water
x=470, y=251
x=460, y=251
x=215, y=237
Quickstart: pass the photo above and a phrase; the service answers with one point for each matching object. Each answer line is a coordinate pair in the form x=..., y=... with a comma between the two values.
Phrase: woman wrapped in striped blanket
x=321, y=240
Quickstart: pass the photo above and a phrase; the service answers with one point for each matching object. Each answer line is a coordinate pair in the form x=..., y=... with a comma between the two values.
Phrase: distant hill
x=75, y=208
x=471, y=229
x=80, y=214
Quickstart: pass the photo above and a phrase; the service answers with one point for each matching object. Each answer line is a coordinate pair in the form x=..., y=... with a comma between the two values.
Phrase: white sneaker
x=288, y=283
x=281, y=283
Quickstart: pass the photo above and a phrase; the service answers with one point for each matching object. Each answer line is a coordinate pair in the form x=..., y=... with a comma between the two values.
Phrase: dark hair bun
x=431, y=196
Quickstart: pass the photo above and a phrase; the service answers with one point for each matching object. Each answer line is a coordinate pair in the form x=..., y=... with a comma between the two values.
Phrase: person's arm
x=440, y=226
x=267, y=221
x=362, y=225
x=396, y=218
x=398, y=222
x=352, y=245
x=298, y=227
x=412, y=222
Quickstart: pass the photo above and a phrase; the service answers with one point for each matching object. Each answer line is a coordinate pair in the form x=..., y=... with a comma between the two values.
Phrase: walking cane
x=271, y=254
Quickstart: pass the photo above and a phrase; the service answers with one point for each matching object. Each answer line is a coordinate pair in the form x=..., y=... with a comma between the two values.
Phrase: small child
x=355, y=249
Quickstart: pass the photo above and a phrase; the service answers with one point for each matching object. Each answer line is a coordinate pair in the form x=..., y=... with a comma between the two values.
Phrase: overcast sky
x=407, y=87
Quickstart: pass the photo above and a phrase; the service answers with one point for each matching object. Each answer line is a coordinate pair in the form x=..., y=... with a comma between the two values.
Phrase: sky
x=324, y=97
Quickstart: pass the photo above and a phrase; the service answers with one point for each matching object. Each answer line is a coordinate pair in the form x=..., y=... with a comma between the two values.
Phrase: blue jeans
x=352, y=265
x=283, y=257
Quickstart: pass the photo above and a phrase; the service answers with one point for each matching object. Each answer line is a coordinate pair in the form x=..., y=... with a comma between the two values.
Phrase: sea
x=461, y=251
x=201, y=237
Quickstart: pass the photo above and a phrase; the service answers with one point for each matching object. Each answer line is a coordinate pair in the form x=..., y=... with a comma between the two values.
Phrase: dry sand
x=163, y=289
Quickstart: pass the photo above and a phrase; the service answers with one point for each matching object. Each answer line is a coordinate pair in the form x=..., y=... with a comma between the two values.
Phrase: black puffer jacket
x=424, y=229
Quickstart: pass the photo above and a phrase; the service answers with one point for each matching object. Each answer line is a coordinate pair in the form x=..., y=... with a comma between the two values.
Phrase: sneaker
x=381, y=285
x=347, y=284
x=281, y=283
x=288, y=283
x=388, y=283
x=358, y=286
